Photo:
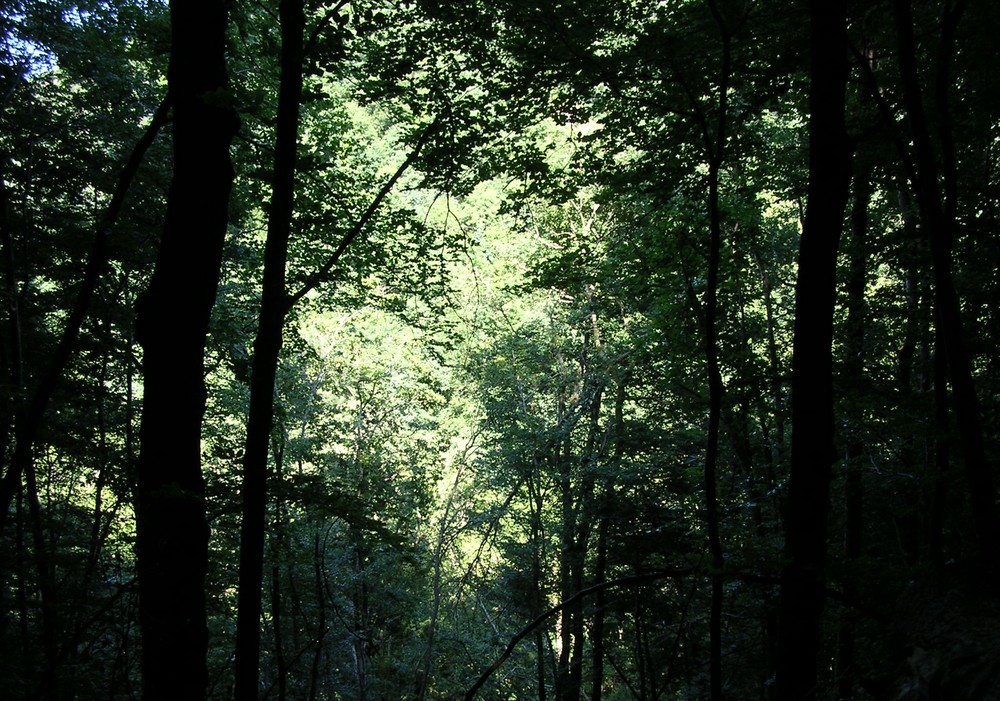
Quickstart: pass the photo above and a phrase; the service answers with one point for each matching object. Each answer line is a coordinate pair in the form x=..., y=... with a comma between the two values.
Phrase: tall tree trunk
x=567, y=619
x=591, y=455
x=606, y=506
x=538, y=595
x=30, y=419
x=561, y=459
x=774, y=442
x=277, y=547
x=276, y=626
x=640, y=648
x=715, y=390
x=937, y=214
x=812, y=360
x=51, y=680
x=267, y=346
x=320, y=583
x=715, y=146
x=854, y=455
x=360, y=626
x=600, y=603
x=916, y=376
x=942, y=457
x=171, y=325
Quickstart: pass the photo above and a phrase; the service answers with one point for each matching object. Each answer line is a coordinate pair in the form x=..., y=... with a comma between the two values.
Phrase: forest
x=579, y=350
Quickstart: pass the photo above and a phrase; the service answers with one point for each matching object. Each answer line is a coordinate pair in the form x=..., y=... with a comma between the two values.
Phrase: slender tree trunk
x=314, y=674
x=917, y=373
x=584, y=520
x=360, y=630
x=715, y=391
x=942, y=457
x=537, y=592
x=276, y=627
x=854, y=456
x=938, y=219
x=566, y=546
x=600, y=603
x=12, y=351
x=601, y=565
x=30, y=420
x=561, y=458
x=51, y=680
x=715, y=148
x=813, y=454
x=277, y=547
x=172, y=322
x=774, y=438
x=267, y=347
x=21, y=575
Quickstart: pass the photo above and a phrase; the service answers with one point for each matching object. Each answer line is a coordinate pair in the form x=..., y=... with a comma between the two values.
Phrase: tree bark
x=29, y=421
x=321, y=630
x=938, y=220
x=276, y=302
x=171, y=325
x=854, y=455
x=715, y=392
x=607, y=502
x=266, y=349
x=802, y=590
x=714, y=137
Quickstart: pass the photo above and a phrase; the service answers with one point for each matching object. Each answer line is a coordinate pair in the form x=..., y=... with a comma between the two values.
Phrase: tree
x=937, y=202
x=275, y=304
x=78, y=158
x=813, y=453
x=504, y=398
x=267, y=346
x=172, y=321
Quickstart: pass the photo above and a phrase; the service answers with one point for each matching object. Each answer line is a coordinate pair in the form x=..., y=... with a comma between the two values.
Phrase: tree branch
x=32, y=419
x=623, y=582
x=320, y=275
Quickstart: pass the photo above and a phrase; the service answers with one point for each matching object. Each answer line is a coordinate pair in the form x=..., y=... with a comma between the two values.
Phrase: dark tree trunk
x=715, y=137
x=942, y=457
x=360, y=630
x=267, y=346
x=561, y=459
x=916, y=374
x=30, y=420
x=50, y=681
x=567, y=622
x=812, y=360
x=538, y=595
x=854, y=455
x=715, y=391
x=600, y=604
x=607, y=503
x=172, y=321
x=276, y=625
x=937, y=204
x=320, y=583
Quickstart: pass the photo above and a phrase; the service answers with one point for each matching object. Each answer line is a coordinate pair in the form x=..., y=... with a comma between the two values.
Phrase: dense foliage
x=528, y=427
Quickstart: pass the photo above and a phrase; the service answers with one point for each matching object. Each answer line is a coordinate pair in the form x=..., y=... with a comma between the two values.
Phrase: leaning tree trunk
x=937, y=202
x=812, y=358
x=171, y=326
x=30, y=418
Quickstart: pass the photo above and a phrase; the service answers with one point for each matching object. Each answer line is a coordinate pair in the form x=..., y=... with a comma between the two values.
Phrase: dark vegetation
x=502, y=350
